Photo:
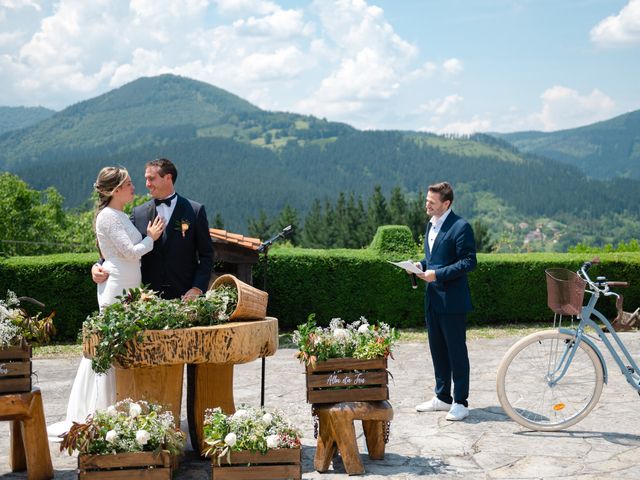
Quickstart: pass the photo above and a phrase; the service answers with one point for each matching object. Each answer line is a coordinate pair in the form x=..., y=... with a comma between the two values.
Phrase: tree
x=288, y=216
x=259, y=227
x=377, y=213
x=218, y=221
x=397, y=207
x=484, y=242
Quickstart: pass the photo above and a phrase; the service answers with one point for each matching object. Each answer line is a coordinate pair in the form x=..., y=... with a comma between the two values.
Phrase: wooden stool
x=337, y=432
x=28, y=443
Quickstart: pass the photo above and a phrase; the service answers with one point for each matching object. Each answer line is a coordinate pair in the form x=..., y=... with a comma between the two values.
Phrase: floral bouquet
x=16, y=325
x=359, y=339
x=252, y=429
x=127, y=426
x=141, y=309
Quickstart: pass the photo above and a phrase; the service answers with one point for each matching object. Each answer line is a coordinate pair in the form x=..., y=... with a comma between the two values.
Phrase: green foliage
x=394, y=241
x=631, y=246
x=139, y=310
x=15, y=118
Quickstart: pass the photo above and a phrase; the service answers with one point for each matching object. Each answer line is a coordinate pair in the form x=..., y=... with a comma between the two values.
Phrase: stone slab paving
x=487, y=445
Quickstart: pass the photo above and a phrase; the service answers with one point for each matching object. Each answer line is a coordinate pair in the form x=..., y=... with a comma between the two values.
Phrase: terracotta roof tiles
x=219, y=235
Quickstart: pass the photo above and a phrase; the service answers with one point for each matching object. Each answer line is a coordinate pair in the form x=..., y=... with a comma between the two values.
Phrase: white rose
x=272, y=441
x=340, y=333
x=239, y=414
x=142, y=437
x=230, y=439
x=111, y=436
x=134, y=410
x=364, y=328
x=267, y=418
x=111, y=411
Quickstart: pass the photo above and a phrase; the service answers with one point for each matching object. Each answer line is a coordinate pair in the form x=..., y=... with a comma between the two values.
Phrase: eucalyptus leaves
x=141, y=309
x=359, y=339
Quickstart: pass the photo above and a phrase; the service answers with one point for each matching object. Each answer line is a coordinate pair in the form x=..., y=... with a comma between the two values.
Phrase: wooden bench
x=337, y=432
x=28, y=443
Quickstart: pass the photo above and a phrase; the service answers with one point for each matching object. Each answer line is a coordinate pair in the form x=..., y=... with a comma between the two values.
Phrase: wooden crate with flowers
x=252, y=444
x=345, y=363
x=18, y=331
x=127, y=440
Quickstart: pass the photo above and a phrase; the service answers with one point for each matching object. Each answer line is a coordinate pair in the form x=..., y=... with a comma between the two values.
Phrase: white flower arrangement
x=9, y=330
x=358, y=339
x=252, y=429
x=127, y=426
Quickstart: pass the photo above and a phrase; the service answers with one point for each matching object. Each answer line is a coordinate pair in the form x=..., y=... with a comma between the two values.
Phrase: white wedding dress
x=122, y=246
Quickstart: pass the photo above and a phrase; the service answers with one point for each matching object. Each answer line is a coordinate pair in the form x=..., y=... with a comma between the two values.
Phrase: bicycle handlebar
x=602, y=287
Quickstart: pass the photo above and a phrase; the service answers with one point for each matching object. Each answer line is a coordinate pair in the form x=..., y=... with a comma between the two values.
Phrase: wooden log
x=161, y=385
x=337, y=431
x=211, y=386
x=228, y=343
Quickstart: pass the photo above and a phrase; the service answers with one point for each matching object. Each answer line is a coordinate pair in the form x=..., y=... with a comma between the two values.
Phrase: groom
x=181, y=261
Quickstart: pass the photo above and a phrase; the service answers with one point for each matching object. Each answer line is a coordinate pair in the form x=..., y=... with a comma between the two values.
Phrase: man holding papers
x=449, y=254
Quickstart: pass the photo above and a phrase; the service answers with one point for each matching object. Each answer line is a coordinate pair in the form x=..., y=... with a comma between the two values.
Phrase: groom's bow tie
x=166, y=201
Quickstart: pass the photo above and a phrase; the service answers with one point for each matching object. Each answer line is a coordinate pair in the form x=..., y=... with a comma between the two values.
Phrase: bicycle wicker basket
x=565, y=291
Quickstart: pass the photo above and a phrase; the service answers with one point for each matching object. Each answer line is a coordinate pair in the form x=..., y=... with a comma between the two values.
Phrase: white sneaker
x=458, y=412
x=433, y=405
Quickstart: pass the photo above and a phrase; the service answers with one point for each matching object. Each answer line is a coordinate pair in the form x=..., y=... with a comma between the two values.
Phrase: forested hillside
x=15, y=118
x=603, y=150
x=243, y=162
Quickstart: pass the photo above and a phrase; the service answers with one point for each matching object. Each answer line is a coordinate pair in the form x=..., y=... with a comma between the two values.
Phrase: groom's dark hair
x=164, y=166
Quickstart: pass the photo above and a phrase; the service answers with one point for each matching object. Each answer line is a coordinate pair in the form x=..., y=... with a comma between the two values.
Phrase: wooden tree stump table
x=28, y=445
x=337, y=432
x=152, y=370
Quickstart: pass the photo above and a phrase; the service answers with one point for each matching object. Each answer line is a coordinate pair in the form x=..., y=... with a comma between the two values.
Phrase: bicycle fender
x=589, y=342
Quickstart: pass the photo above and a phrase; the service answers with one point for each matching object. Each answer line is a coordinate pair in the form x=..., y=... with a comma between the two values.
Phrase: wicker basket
x=565, y=291
x=252, y=303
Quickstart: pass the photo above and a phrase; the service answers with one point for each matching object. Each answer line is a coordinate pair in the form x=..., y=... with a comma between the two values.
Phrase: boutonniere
x=182, y=226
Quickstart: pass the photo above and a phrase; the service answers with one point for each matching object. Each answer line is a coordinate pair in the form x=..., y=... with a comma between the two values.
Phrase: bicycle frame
x=629, y=370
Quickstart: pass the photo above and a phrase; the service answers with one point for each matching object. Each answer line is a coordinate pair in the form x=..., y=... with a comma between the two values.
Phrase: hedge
x=505, y=288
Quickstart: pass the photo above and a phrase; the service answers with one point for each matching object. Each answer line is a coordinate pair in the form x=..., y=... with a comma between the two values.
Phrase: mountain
x=15, y=118
x=240, y=160
x=605, y=149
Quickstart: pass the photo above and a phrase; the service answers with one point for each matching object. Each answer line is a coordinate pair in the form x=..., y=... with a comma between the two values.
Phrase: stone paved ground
x=422, y=445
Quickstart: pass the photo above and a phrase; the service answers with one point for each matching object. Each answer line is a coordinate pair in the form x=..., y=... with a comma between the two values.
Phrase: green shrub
x=394, y=241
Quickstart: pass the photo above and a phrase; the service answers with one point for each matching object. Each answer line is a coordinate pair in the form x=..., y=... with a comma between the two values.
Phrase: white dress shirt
x=436, y=225
x=165, y=211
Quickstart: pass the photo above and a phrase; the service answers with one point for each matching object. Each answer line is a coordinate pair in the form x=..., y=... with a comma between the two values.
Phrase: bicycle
x=552, y=379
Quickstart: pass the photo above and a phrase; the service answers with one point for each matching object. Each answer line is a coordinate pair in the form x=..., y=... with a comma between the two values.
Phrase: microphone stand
x=264, y=249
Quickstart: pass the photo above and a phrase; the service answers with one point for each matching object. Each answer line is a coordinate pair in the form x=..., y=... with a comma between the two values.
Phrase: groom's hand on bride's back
x=99, y=274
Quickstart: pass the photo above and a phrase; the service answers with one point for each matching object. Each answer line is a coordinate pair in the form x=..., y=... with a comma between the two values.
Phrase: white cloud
x=621, y=29
x=280, y=24
x=16, y=4
x=452, y=66
x=565, y=108
x=246, y=7
x=442, y=106
x=476, y=124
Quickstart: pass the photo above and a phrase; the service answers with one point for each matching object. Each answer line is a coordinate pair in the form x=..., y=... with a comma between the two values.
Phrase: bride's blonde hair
x=108, y=181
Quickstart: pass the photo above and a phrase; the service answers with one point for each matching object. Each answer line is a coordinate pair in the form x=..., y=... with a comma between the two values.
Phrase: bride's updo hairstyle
x=109, y=179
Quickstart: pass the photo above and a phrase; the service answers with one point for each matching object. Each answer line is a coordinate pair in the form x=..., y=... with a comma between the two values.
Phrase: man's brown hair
x=164, y=166
x=444, y=189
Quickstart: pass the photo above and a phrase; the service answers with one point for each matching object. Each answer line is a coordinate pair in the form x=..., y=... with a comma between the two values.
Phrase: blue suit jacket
x=453, y=256
x=178, y=261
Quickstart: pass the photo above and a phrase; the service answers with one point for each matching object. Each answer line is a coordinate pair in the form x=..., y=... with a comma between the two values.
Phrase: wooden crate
x=276, y=464
x=347, y=380
x=15, y=369
x=127, y=466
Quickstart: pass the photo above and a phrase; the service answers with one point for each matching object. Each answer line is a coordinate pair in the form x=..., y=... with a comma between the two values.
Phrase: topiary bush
x=394, y=241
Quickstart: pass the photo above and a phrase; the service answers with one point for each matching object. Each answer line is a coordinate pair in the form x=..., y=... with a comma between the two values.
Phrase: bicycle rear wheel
x=524, y=385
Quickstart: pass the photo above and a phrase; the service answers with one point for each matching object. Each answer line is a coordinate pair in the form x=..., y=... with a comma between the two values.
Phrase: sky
x=443, y=66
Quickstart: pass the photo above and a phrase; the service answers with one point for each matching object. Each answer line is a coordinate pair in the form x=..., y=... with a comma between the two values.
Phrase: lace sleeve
x=113, y=229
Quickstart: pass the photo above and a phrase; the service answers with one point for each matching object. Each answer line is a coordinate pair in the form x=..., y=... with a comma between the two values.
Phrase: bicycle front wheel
x=531, y=390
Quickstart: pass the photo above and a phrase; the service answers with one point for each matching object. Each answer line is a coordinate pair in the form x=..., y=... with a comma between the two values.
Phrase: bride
x=121, y=246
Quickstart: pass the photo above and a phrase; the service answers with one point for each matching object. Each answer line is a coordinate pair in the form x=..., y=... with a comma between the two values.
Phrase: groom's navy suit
x=178, y=261
x=447, y=301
